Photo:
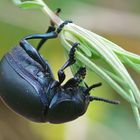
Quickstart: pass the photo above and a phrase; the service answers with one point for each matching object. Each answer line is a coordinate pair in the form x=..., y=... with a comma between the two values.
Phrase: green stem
x=50, y=13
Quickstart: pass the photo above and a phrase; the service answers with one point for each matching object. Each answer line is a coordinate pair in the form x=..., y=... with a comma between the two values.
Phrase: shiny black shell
x=24, y=85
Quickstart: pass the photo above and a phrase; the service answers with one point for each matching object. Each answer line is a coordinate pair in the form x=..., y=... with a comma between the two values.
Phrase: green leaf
x=136, y=67
x=123, y=55
x=116, y=78
x=135, y=109
x=84, y=47
x=28, y=4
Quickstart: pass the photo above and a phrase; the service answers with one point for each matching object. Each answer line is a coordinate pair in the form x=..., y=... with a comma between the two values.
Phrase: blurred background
x=118, y=21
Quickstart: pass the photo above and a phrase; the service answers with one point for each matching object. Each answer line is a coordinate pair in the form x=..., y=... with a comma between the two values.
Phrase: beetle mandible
x=28, y=87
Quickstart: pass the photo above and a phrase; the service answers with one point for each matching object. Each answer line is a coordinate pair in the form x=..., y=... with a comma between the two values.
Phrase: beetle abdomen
x=21, y=87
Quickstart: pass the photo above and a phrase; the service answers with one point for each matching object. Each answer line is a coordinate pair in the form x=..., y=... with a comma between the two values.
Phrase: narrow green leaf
x=135, y=110
x=116, y=78
x=120, y=52
x=28, y=4
x=84, y=47
x=136, y=67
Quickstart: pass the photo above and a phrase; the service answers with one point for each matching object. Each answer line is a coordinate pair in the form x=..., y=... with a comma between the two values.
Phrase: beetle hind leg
x=31, y=51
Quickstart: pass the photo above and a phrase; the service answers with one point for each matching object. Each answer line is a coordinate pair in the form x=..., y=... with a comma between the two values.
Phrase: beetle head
x=70, y=103
x=67, y=105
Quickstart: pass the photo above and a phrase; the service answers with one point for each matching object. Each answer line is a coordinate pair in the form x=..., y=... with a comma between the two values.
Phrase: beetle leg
x=42, y=36
x=69, y=62
x=40, y=44
x=77, y=79
x=50, y=29
x=86, y=85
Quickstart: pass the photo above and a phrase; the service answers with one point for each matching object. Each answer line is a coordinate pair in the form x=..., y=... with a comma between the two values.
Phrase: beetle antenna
x=92, y=87
x=92, y=98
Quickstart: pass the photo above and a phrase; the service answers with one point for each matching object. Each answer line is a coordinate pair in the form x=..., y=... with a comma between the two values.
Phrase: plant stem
x=57, y=20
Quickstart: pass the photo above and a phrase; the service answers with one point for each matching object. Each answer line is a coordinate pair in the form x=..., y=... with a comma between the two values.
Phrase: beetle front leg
x=69, y=62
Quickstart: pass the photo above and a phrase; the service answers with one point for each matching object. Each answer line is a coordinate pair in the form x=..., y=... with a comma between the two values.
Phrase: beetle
x=28, y=87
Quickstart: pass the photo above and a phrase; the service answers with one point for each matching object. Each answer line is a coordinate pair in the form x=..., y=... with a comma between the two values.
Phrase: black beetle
x=28, y=87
